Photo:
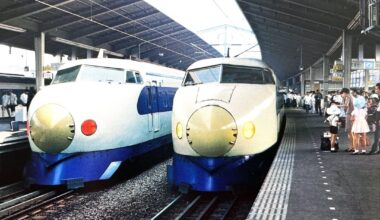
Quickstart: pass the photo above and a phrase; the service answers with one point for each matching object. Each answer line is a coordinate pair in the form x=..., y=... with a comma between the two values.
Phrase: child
x=333, y=111
x=360, y=126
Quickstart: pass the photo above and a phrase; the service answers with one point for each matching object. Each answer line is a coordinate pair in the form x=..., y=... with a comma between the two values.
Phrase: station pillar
x=302, y=80
x=73, y=53
x=326, y=74
x=39, y=48
x=347, y=58
x=366, y=79
x=311, y=79
x=88, y=53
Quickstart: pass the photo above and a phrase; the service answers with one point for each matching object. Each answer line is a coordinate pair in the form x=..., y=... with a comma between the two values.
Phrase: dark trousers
x=318, y=107
x=375, y=145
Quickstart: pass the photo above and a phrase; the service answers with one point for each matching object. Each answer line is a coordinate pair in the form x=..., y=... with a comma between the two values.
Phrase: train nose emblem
x=211, y=131
x=52, y=128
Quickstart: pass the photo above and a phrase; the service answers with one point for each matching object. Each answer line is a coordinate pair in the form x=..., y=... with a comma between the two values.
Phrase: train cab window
x=248, y=75
x=66, y=75
x=204, y=75
x=138, y=77
x=90, y=73
x=130, y=77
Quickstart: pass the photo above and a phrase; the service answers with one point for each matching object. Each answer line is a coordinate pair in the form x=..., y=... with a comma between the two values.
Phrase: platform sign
x=369, y=65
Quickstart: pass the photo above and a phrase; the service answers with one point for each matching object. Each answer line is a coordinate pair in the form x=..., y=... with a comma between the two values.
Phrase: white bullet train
x=227, y=112
x=96, y=114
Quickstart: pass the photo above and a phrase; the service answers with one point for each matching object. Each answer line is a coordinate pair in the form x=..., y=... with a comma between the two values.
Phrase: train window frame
x=77, y=68
x=83, y=76
x=266, y=75
x=130, y=77
x=138, y=77
x=195, y=77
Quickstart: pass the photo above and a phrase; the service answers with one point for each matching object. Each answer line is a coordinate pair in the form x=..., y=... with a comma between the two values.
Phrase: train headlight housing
x=249, y=130
x=179, y=130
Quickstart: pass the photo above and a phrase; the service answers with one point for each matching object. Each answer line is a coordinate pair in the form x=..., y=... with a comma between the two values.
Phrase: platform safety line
x=273, y=198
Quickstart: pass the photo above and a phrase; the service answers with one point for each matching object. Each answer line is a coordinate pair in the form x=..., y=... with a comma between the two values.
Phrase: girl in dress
x=360, y=126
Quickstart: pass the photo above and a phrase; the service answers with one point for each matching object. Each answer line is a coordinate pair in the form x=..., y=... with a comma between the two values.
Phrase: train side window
x=130, y=77
x=138, y=77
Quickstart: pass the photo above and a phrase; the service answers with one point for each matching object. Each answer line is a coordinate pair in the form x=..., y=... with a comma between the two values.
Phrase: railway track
x=17, y=202
x=207, y=206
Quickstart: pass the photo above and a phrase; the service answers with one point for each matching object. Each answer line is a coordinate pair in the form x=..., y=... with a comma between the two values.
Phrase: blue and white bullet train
x=96, y=114
x=227, y=112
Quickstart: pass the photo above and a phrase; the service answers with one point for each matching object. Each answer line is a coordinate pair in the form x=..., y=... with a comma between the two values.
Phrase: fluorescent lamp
x=85, y=46
x=11, y=28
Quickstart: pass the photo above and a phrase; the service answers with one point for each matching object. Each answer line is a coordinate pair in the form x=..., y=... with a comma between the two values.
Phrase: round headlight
x=248, y=130
x=179, y=130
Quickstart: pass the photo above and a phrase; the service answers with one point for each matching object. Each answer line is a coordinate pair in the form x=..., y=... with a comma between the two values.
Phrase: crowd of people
x=9, y=101
x=355, y=110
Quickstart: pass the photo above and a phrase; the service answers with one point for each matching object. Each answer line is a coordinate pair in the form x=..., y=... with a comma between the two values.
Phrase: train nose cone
x=211, y=131
x=52, y=128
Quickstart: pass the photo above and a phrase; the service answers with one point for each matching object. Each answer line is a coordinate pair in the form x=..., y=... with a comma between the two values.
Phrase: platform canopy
x=125, y=28
x=285, y=29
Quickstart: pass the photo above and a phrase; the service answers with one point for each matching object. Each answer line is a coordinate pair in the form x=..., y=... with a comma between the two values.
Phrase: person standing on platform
x=318, y=97
x=24, y=98
x=360, y=126
x=5, y=101
x=31, y=94
x=348, y=106
x=333, y=111
x=13, y=102
x=375, y=147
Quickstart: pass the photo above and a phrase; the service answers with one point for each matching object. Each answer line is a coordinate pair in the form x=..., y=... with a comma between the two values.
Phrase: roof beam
x=85, y=32
x=97, y=11
x=276, y=10
x=27, y=10
x=111, y=38
x=120, y=46
x=263, y=26
x=326, y=35
x=316, y=6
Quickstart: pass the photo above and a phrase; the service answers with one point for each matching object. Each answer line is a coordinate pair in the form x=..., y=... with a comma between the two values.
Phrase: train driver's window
x=138, y=77
x=130, y=77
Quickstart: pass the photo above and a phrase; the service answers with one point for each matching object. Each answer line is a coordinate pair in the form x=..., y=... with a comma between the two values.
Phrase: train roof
x=229, y=60
x=115, y=63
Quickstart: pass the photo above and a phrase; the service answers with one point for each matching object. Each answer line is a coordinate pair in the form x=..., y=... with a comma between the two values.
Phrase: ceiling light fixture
x=85, y=46
x=12, y=28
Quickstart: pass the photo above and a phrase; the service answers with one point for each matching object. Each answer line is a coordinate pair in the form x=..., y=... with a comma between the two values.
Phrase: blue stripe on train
x=154, y=99
x=57, y=169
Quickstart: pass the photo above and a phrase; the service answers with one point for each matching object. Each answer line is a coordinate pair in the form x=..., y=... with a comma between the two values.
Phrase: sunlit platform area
x=307, y=183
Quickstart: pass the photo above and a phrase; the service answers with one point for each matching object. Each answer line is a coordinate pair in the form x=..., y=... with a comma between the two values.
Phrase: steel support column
x=326, y=73
x=366, y=79
x=311, y=79
x=39, y=48
x=347, y=58
x=302, y=79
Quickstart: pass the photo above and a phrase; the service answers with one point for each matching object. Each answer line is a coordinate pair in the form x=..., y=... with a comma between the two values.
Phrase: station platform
x=307, y=183
x=9, y=135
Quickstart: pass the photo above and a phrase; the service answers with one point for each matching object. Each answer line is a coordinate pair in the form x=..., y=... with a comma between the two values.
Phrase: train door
x=154, y=110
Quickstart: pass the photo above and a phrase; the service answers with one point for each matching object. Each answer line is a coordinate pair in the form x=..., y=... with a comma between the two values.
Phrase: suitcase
x=325, y=143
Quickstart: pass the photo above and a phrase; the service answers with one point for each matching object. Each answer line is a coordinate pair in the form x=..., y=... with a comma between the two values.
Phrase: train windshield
x=204, y=75
x=229, y=74
x=90, y=73
x=247, y=75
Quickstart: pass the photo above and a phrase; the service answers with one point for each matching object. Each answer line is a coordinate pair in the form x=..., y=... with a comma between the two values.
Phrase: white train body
x=127, y=102
x=226, y=108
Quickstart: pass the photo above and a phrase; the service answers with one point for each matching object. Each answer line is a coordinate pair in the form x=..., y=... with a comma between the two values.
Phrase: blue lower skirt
x=58, y=169
x=210, y=174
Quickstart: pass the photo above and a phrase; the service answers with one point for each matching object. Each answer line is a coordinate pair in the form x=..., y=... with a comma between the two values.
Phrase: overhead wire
x=111, y=28
x=164, y=35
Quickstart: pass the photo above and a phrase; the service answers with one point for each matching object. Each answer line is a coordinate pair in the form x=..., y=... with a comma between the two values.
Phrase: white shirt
x=333, y=120
x=24, y=98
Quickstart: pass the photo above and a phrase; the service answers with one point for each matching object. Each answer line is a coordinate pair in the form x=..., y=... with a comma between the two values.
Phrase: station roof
x=125, y=27
x=283, y=27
